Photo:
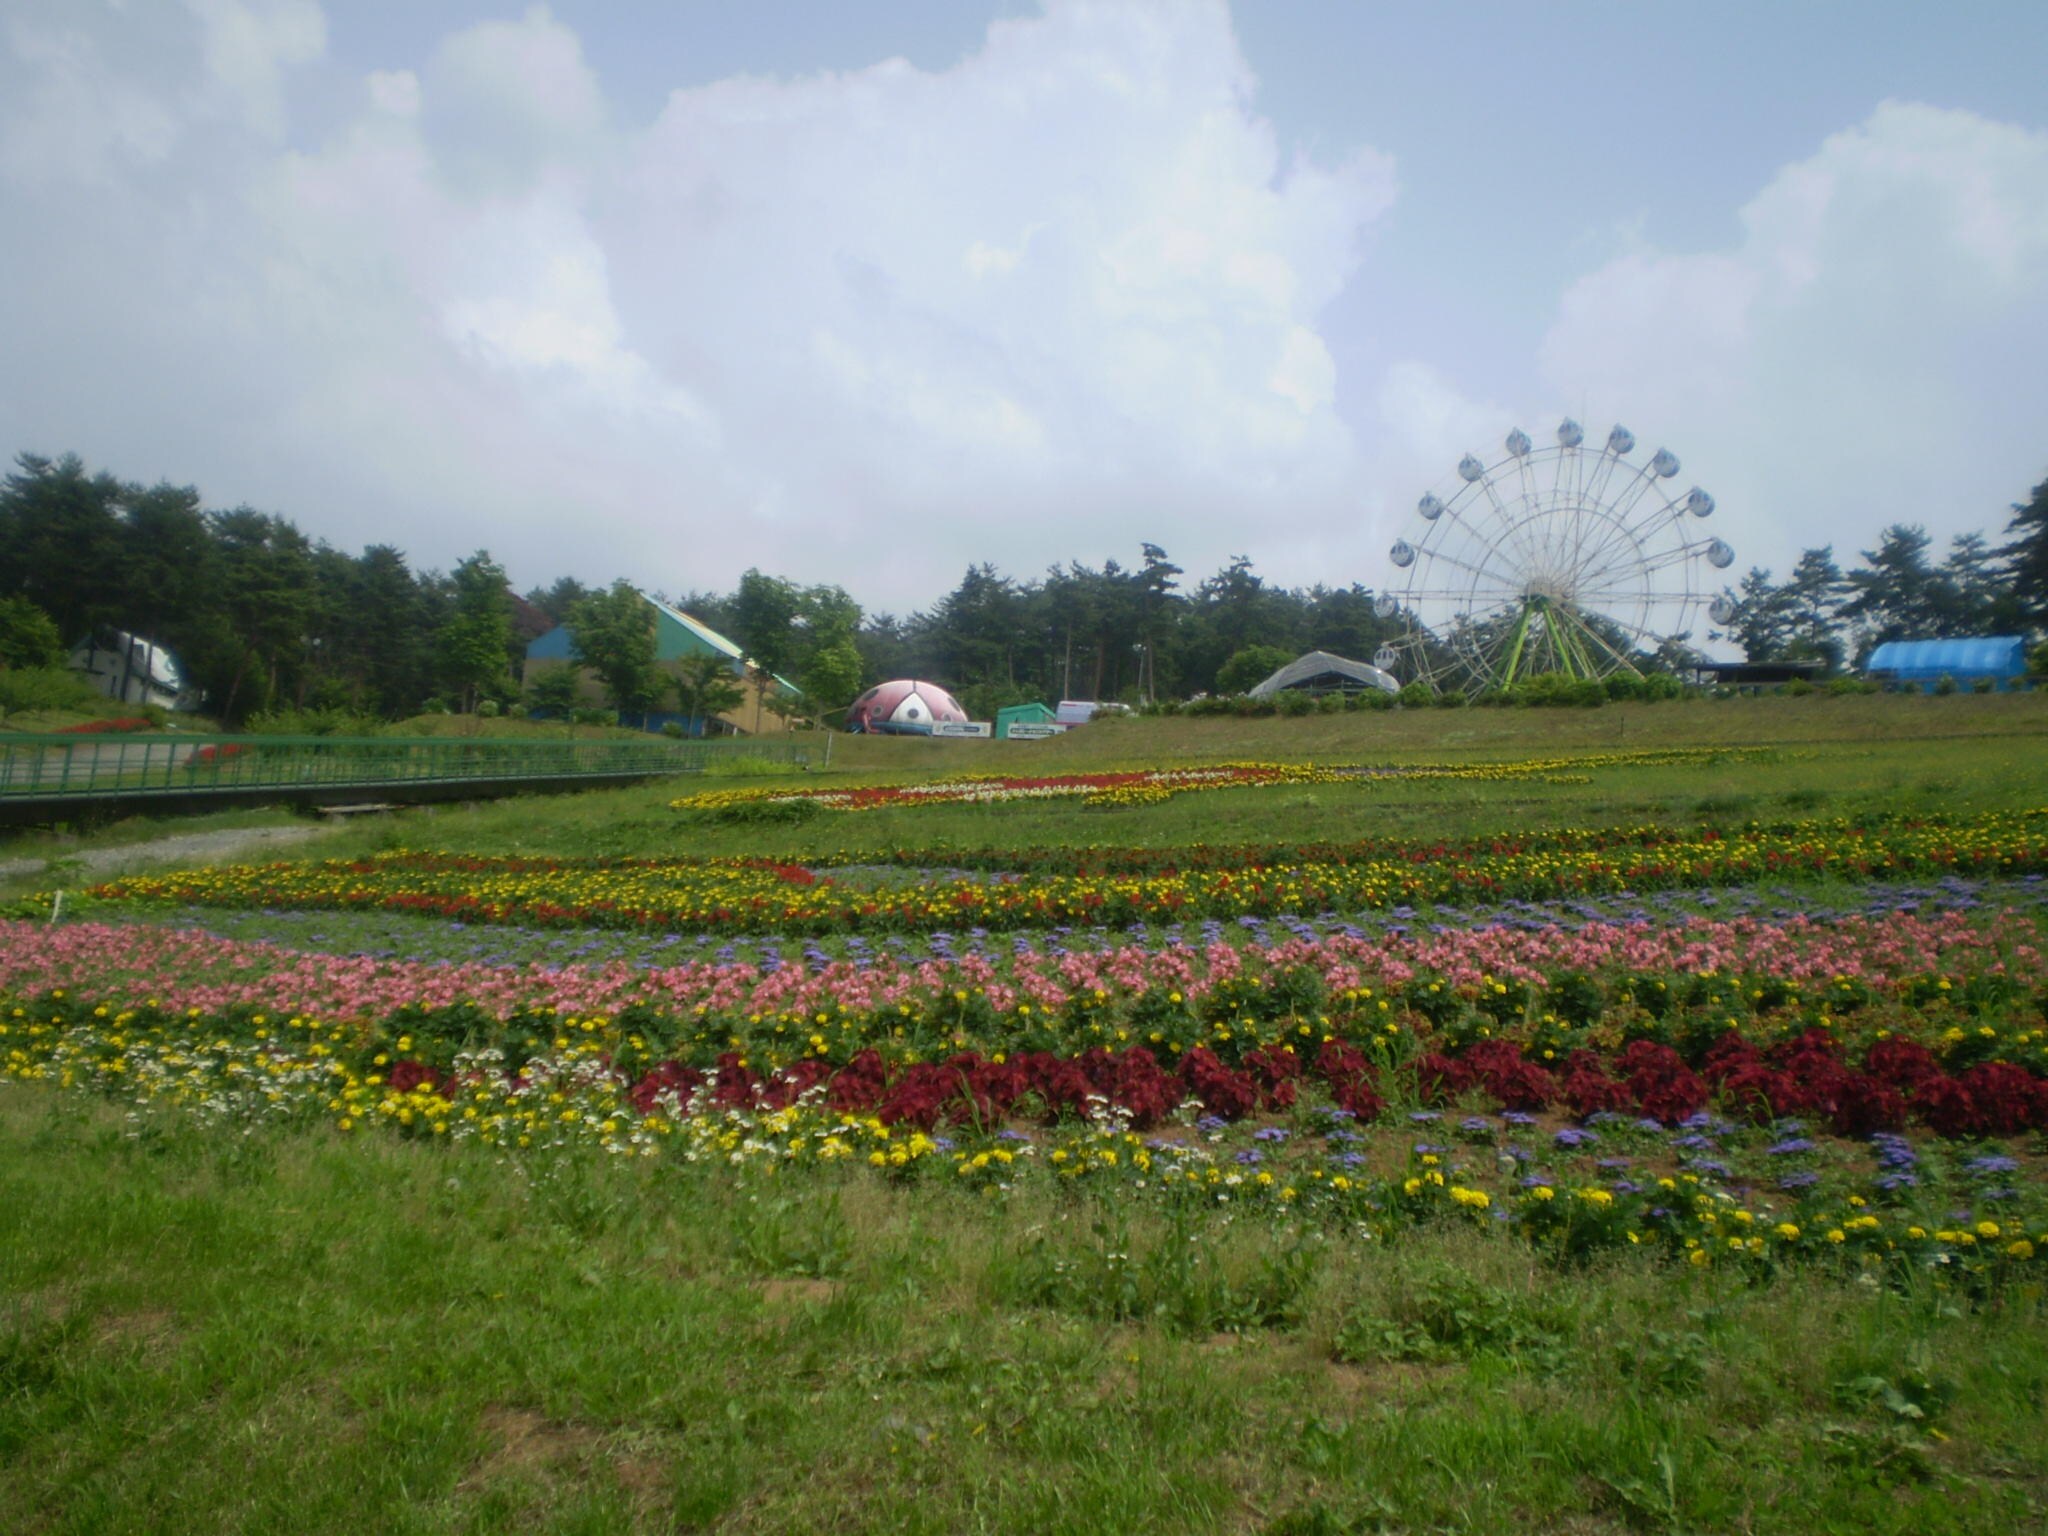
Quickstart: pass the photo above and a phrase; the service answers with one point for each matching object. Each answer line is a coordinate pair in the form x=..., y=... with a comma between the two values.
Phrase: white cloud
x=1056, y=299
x=248, y=46
x=1867, y=353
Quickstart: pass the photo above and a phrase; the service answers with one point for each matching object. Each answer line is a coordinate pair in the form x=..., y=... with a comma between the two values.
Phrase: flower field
x=1663, y=1171
x=1105, y=886
x=1595, y=1077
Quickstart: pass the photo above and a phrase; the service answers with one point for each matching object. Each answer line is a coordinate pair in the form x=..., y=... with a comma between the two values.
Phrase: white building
x=131, y=669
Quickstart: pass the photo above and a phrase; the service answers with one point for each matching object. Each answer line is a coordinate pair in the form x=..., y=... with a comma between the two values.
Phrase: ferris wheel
x=1565, y=559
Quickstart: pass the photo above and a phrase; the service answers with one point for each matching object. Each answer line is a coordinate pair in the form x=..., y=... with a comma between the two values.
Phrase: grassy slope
x=1826, y=757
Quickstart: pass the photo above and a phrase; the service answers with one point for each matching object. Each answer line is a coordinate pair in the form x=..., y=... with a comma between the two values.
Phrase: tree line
x=265, y=618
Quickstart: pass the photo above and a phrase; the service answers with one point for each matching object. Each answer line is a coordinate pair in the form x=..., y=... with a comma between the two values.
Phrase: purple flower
x=1992, y=1163
x=1790, y=1146
x=1572, y=1136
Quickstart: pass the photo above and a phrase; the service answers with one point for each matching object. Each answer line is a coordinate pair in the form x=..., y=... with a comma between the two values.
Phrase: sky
x=668, y=289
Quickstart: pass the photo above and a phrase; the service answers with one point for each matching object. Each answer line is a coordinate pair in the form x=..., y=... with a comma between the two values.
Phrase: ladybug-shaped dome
x=903, y=707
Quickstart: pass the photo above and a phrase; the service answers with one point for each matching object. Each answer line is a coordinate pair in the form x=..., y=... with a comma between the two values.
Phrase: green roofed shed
x=1022, y=714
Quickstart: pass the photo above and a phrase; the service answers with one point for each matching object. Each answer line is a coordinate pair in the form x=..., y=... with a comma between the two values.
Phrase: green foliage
x=28, y=636
x=1251, y=666
x=477, y=634
x=311, y=722
x=705, y=686
x=612, y=633
x=23, y=689
x=553, y=690
x=2026, y=560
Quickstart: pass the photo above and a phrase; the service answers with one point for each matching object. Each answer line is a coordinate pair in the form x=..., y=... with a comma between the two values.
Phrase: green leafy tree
x=830, y=676
x=60, y=535
x=612, y=633
x=2026, y=558
x=764, y=614
x=1762, y=625
x=705, y=687
x=553, y=691
x=28, y=636
x=265, y=604
x=477, y=633
x=1250, y=667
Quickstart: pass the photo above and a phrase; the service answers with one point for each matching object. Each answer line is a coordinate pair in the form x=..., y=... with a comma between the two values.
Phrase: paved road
x=179, y=847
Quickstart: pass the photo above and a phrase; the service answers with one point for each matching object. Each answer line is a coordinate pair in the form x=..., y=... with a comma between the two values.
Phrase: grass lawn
x=312, y=1333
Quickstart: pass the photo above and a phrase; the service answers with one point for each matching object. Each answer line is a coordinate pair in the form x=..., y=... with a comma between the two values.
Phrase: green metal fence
x=106, y=767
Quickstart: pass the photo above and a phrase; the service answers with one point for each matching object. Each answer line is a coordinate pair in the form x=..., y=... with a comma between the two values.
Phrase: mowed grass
x=1813, y=757
x=310, y=1333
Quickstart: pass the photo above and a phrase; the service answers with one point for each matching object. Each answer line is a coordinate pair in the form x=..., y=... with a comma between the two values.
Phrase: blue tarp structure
x=2001, y=658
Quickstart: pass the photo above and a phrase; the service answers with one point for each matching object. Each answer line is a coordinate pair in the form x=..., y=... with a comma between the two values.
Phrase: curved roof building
x=1998, y=657
x=1321, y=672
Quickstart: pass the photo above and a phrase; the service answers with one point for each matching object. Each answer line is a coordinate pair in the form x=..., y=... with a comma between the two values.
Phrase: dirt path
x=181, y=847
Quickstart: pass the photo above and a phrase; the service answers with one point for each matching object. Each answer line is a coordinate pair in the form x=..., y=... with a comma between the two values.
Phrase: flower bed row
x=1756, y=1191
x=1973, y=987
x=1149, y=785
x=745, y=895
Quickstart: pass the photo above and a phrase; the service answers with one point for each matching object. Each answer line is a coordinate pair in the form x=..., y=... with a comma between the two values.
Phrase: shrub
x=488, y=708
x=1981, y=685
x=1451, y=698
x=1292, y=702
x=26, y=688
x=1946, y=686
x=1416, y=695
x=311, y=722
x=1798, y=688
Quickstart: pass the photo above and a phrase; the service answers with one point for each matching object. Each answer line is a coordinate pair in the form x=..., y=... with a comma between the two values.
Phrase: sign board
x=1034, y=730
x=1076, y=711
x=962, y=728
